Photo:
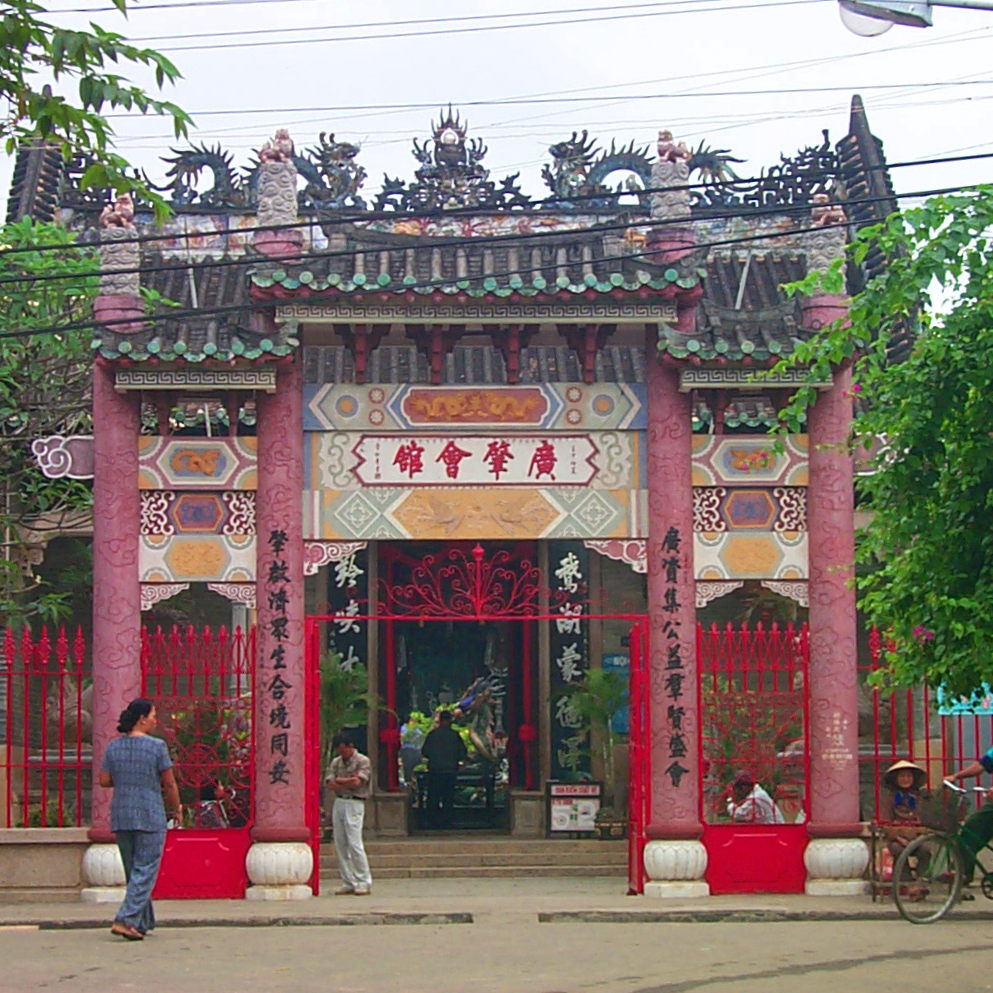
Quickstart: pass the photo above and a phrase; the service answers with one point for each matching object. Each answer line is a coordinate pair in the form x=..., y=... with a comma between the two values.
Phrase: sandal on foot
x=126, y=931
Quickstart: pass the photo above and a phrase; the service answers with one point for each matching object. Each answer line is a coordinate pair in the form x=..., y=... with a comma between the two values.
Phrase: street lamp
x=872, y=17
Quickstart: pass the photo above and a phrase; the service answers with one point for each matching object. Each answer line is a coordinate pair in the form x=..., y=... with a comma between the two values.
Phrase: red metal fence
x=201, y=681
x=941, y=735
x=45, y=730
x=753, y=716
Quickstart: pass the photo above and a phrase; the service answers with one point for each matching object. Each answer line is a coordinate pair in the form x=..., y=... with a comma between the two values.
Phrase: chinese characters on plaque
x=569, y=644
x=473, y=460
x=274, y=683
x=346, y=589
x=674, y=676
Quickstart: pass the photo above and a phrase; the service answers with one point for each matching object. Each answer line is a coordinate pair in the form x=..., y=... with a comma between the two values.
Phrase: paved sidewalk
x=454, y=901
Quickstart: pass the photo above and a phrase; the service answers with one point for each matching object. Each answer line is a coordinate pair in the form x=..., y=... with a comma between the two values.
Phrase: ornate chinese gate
x=463, y=586
x=753, y=716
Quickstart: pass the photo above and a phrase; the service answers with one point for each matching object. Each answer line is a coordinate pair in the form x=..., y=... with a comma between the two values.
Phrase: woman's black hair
x=207, y=790
x=131, y=714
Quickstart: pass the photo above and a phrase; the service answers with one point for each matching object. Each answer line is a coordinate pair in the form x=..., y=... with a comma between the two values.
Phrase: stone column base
x=279, y=870
x=675, y=869
x=835, y=866
x=103, y=871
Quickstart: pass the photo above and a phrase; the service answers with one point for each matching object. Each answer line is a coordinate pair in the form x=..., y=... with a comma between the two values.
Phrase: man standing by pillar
x=348, y=778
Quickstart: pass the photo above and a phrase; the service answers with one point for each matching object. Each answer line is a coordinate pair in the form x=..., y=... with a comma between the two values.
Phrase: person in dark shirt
x=444, y=751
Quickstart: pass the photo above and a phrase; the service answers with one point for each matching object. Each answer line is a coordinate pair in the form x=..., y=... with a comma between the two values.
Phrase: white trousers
x=346, y=823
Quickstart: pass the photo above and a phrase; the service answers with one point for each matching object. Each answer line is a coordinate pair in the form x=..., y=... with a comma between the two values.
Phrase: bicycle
x=928, y=874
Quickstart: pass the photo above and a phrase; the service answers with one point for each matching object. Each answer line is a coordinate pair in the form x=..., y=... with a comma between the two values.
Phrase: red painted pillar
x=833, y=690
x=672, y=609
x=280, y=782
x=116, y=583
x=835, y=857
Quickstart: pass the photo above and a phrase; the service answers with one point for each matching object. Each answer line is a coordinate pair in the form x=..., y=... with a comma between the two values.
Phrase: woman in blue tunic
x=138, y=768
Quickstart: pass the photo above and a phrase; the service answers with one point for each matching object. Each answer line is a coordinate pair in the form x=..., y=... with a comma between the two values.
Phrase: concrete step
x=330, y=877
x=461, y=845
x=455, y=860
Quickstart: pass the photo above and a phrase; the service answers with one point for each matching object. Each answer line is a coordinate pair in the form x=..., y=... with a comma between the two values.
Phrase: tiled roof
x=223, y=337
x=574, y=264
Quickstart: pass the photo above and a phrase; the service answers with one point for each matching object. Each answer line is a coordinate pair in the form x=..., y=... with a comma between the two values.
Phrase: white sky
x=927, y=91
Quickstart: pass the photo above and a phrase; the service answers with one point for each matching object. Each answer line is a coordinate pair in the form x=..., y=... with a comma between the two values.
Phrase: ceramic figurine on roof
x=277, y=149
x=824, y=213
x=827, y=241
x=672, y=151
x=578, y=173
x=277, y=190
x=672, y=169
x=339, y=175
x=450, y=174
x=119, y=214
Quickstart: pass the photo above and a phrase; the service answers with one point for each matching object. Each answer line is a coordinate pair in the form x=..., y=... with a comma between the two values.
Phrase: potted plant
x=595, y=700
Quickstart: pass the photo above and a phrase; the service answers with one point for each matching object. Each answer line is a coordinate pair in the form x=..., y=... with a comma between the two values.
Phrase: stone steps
x=491, y=856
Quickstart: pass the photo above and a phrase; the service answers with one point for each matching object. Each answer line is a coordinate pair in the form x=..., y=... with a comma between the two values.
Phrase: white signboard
x=475, y=460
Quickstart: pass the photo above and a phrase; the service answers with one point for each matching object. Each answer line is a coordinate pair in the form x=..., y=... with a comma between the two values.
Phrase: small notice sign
x=572, y=807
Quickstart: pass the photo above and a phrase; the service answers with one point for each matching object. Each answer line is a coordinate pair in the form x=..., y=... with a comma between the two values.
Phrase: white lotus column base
x=103, y=873
x=675, y=869
x=836, y=866
x=279, y=870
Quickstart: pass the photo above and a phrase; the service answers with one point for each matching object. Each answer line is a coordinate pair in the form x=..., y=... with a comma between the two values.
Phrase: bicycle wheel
x=927, y=878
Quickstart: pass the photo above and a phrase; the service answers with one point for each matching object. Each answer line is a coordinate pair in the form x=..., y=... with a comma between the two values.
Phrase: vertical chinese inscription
x=275, y=685
x=569, y=643
x=674, y=681
x=346, y=595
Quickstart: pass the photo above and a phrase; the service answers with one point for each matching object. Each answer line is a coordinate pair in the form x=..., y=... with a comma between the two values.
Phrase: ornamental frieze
x=546, y=406
x=347, y=310
x=197, y=463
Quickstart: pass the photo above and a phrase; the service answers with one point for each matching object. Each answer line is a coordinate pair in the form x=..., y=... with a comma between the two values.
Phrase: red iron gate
x=753, y=721
x=202, y=683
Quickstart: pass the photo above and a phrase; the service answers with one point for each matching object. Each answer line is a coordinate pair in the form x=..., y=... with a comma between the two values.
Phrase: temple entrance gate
x=498, y=620
x=754, y=721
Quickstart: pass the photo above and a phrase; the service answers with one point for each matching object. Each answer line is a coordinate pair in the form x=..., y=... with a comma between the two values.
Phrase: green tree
x=44, y=390
x=928, y=553
x=38, y=59
x=345, y=700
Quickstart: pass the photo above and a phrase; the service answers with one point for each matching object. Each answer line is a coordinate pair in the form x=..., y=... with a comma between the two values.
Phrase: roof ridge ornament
x=450, y=174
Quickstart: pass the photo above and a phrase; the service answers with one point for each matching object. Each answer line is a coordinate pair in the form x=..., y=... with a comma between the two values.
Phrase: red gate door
x=202, y=683
x=754, y=768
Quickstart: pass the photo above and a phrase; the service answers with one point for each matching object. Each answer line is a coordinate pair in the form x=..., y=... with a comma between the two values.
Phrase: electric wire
x=175, y=314
x=345, y=217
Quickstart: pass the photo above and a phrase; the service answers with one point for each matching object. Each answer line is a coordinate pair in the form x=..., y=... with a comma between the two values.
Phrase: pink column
x=672, y=607
x=833, y=679
x=116, y=585
x=280, y=688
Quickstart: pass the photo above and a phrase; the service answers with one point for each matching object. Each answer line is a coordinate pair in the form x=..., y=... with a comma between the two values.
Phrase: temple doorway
x=474, y=671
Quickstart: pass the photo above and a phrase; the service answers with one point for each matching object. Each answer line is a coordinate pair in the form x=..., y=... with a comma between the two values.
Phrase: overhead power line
x=358, y=217
x=176, y=314
x=461, y=241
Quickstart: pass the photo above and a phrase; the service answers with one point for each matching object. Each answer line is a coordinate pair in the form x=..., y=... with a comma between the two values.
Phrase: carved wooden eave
x=261, y=378
x=709, y=378
x=473, y=314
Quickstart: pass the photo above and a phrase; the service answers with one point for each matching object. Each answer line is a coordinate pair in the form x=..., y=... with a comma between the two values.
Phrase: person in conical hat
x=904, y=780
x=892, y=779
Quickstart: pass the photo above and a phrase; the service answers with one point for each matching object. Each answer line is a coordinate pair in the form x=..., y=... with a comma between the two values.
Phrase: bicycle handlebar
x=948, y=784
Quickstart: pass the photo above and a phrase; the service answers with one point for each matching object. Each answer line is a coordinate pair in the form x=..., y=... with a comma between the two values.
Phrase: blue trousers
x=141, y=853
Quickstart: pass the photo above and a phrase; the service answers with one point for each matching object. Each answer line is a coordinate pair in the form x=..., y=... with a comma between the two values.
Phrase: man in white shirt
x=750, y=804
x=348, y=777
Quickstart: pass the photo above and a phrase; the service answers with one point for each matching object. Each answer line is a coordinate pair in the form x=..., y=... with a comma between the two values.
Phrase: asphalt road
x=510, y=953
